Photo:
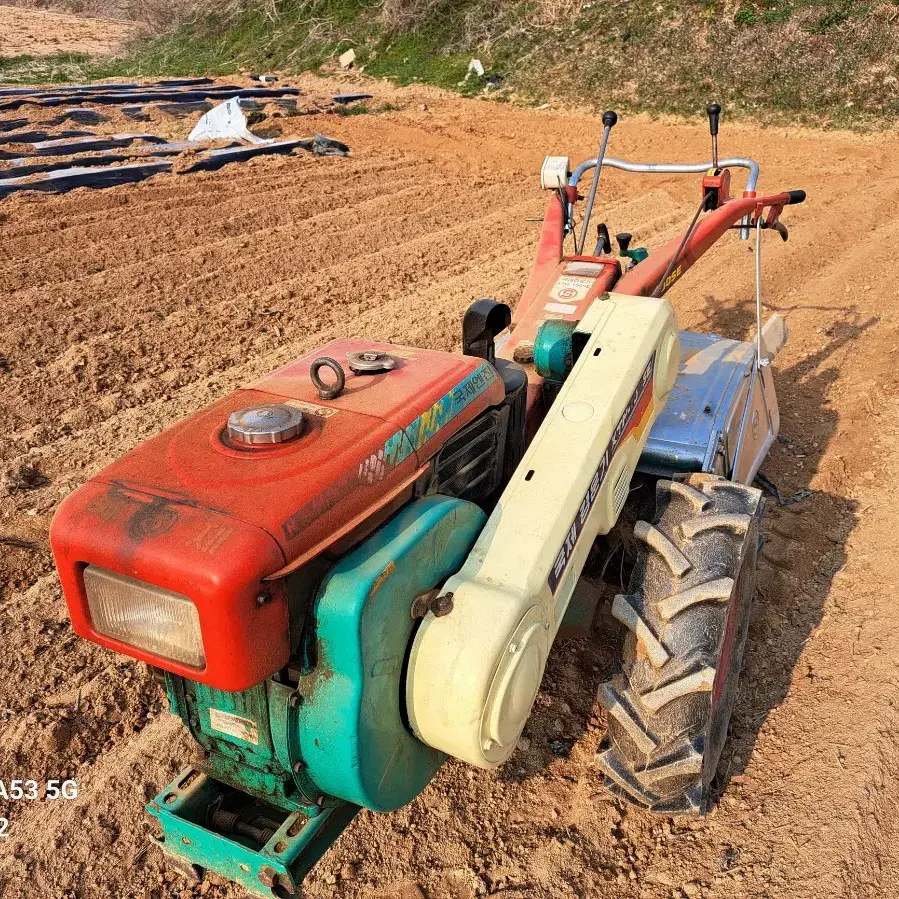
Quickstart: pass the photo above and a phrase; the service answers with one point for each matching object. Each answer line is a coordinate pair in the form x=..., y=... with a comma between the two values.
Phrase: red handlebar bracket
x=716, y=187
x=769, y=212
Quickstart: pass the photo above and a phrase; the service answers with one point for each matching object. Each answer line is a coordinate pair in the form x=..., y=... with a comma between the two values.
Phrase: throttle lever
x=603, y=241
x=713, y=110
x=609, y=119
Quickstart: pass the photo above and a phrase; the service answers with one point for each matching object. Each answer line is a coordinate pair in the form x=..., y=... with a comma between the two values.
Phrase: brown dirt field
x=39, y=32
x=126, y=309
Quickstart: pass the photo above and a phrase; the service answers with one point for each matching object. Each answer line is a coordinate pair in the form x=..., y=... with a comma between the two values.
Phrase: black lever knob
x=624, y=241
x=714, y=111
x=603, y=241
x=609, y=118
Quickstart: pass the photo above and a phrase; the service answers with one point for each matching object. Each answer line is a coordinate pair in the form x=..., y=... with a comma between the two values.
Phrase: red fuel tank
x=213, y=521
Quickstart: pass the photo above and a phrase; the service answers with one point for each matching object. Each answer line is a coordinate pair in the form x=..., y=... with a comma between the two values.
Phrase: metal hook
x=327, y=391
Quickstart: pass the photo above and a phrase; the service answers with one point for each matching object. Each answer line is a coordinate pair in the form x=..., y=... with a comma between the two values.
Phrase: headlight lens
x=146, y=617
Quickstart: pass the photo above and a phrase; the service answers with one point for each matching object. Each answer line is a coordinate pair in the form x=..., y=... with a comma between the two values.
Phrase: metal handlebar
x=671, y=168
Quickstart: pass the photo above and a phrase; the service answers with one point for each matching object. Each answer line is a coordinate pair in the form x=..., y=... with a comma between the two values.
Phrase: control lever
x=609, y=118
x=636, y=255
x=714, y=111
x=603, y=241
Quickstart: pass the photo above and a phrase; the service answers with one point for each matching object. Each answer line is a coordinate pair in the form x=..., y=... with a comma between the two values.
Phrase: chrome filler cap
x=275, y=423
x=369, y=362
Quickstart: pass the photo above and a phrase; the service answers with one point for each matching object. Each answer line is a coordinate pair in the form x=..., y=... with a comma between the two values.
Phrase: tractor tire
x=687, y=615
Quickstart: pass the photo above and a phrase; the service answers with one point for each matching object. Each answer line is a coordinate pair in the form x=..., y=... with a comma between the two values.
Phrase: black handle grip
x=714, y=111
x=796, y=196
x=609, y=118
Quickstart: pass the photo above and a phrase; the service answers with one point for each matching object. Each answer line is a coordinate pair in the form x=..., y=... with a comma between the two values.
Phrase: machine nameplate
x=629, y=419
x=571, y=288
x=234, y=726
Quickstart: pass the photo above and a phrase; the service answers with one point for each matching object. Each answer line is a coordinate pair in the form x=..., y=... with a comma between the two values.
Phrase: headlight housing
x=158, y=621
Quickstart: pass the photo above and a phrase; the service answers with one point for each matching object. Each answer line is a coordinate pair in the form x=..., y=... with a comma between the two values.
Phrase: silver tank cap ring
x=268, y=424
x=369, y=362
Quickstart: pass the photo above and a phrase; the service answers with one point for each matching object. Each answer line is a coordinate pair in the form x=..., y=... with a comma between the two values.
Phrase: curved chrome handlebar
x=669, y=168
x=673, y=168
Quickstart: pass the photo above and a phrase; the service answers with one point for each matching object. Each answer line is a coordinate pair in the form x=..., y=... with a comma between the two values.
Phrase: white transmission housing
x=474, y=673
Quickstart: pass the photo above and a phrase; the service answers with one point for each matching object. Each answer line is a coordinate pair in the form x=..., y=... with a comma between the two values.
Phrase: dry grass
x=155, y=16
x=404, y=16
x=555, y=12
x=396, y=16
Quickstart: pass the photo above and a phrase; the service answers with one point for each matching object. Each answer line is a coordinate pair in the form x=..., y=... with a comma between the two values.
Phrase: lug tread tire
x=686, y=614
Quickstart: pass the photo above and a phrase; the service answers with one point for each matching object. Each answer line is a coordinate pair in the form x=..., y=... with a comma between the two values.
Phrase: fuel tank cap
x=369, y=362
x=272, y=423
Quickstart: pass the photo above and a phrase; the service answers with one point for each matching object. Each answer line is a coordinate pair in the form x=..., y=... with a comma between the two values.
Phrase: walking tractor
x=357, y=565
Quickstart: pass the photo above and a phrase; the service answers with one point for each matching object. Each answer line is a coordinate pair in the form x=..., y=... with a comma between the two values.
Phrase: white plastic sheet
x=225, y=121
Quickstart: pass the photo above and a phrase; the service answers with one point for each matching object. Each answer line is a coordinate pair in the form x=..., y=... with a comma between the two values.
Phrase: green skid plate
x=275, y=870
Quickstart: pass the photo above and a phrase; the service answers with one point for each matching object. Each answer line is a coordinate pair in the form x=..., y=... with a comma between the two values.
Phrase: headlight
x=146, y=617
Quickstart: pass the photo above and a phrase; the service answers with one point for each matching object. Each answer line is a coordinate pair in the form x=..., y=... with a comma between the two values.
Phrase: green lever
x=636, y=255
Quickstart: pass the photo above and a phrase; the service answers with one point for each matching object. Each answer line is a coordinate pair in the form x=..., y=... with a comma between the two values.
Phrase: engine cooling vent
x=622, y=488
x=470, y=463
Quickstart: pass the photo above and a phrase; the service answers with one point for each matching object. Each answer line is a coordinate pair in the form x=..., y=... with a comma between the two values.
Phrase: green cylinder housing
x=553, y=355
x=637, y=255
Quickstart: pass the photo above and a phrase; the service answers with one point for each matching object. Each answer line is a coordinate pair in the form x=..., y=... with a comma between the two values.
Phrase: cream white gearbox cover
x=473, y=674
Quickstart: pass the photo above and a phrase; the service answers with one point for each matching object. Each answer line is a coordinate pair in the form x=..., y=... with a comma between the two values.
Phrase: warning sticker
x=571, y=288
x=593, y=269
x=234, y=726
x=563, y=308
x=312, y=408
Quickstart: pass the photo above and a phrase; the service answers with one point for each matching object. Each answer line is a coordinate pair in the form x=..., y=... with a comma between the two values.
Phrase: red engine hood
x=191, y=512
x=354, y=451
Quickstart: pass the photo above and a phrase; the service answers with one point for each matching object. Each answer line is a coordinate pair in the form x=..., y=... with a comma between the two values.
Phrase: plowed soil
x=40, y=32
x=126, y=309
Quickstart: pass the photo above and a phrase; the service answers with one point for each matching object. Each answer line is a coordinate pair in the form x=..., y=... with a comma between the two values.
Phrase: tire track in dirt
x=430, y=322
x=245, y=179
x=216, y=312
x=216, y=233
x=100, y=364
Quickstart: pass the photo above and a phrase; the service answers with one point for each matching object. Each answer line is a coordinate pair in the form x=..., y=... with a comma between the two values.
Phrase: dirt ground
x=124, y=310
x=39, y=32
